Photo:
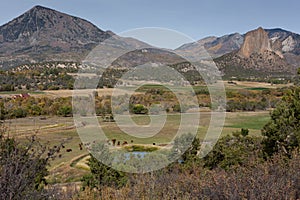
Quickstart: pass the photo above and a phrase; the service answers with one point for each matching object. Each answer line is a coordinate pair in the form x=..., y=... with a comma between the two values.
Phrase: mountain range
x=260, y=52
x=45, y=35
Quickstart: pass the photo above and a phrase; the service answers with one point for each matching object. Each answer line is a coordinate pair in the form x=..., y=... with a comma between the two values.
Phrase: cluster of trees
x=62, y=106
x=31, y=106
x=252, y=100
x=237, y=100
x=37, y=79
x=151, y=102
x=241, y=100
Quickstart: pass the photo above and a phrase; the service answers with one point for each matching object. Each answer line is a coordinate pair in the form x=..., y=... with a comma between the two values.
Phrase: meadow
x=70, y=166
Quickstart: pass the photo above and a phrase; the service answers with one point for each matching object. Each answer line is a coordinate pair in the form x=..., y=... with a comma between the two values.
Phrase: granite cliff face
x=256, y=41
x=264, y=53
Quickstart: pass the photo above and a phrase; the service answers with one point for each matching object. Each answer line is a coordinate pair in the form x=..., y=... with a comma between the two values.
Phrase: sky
x=194, y=18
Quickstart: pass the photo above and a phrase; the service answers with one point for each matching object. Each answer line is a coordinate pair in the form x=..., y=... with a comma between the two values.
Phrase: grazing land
x=54, y=130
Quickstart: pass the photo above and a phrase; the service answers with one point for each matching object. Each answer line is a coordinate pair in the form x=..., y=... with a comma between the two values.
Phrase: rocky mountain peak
x=40, y=24
x=256, y=41
x=38, y=8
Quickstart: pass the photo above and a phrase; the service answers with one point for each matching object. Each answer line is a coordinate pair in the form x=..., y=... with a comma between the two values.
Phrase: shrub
x=139, y=109
x=233, y=151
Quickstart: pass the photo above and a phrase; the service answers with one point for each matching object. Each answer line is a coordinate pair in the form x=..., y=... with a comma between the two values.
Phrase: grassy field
x=252, y=85
x=54, y=130
x=254, y=121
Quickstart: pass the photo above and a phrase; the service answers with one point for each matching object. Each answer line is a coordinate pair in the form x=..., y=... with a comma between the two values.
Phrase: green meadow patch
x=257, y=88
x=140, y=148
x=252, y=121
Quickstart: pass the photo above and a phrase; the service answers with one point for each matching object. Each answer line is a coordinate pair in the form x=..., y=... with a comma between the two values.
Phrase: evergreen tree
x=282, y=133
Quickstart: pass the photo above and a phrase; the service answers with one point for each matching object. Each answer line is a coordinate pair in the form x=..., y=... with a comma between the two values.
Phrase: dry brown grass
x=250, y=84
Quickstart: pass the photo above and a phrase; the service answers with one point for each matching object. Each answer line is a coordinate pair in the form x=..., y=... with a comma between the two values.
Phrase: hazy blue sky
x=196, y=18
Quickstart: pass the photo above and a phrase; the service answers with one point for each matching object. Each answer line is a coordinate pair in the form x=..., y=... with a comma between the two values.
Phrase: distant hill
x=215, y=46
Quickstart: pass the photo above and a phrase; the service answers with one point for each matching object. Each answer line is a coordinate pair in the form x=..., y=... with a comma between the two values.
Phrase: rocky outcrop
x=260, y=55
x=256, y=41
